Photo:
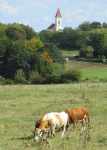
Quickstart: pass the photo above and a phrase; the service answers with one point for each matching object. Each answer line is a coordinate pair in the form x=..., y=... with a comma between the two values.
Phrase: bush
x=34, y=77
x=58, y=68
x=47, y=69
x=54, y=79
x=71, y=75
x=103, y=79
x=19, y=77
x=9, y=81
x=103, y=58
x=2, y=80
x=86, y=51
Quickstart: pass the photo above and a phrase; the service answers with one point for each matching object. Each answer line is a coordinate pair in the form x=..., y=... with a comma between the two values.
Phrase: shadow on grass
x=24, y=138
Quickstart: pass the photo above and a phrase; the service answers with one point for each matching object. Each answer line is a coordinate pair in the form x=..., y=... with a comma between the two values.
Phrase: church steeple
x=58, y=21
x=58, y=14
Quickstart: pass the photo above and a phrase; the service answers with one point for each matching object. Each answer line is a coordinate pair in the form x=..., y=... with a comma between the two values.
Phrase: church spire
x=58, y=14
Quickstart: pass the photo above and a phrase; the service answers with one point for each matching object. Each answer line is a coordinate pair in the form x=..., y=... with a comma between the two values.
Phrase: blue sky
x=40, y=14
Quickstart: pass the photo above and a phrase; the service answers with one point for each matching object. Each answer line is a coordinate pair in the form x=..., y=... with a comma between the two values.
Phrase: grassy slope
x=22, y=105
x=92, y=71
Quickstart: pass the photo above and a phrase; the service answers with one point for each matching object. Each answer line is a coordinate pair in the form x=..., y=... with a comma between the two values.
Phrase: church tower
x=57, y=26
x=58, y=21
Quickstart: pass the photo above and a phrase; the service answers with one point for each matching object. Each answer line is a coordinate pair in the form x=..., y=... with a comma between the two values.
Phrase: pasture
x=91, y=70
x=22, y=105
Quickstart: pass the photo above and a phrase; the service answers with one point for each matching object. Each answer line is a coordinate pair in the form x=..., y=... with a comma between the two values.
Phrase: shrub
x=47, y=69
x=34, y=77
x=58, y=68
x=103, y=58
x=54, y=79
x=19, y=77
x=2, y=80
x=103, y=79
x=9, y=81
x=86, y=51
x=71, y=75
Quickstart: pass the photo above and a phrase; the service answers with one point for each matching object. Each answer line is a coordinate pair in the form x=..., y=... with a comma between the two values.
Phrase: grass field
x=69, y=52
x=91, y=71
x=22, y=105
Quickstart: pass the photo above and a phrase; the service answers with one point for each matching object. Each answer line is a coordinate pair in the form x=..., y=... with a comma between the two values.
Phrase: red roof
x=58, y=14
x=51, y=26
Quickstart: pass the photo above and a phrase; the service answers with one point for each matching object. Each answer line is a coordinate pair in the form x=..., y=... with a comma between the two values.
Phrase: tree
x=2, y=32
x=97, y=39
x=19, y=77
x=103, y=50
x=95, y=25
x=69, y=37
x=33, y=45
x=2, y=51
x=81, y=38
x=104, y=24
x=46, y=56
x=30, y=33
x=16, y=48
x=86, y=51
x=15, y=32
x=85, y=26
x=53, y=51
x=47, y=69
x=46, y=36
x=21, y=61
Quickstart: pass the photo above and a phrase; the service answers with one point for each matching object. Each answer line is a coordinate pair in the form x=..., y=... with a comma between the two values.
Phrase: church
x=58, y=23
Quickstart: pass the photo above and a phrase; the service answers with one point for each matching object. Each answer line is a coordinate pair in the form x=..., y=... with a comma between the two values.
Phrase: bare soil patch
x=83, y=65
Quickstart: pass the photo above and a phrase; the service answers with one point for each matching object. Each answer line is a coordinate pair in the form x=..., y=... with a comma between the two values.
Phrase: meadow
x=22, y=105
x=91, y=70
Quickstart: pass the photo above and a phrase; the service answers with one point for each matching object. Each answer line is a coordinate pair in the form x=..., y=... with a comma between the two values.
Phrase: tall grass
x=22, y=105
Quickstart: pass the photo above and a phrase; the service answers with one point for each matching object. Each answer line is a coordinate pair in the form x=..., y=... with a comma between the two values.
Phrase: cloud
x=47, y=19
x=67, y=14
x=36, y=20
x=99, y=14
x=52, y=1
x=42, y=5
x=69, y=20
x=65, y=1
x=9, y=10
x=25, y=22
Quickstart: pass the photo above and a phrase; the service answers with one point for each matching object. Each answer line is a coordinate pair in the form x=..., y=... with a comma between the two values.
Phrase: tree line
x=24, y=58
x=26, y=55
x=87, y=36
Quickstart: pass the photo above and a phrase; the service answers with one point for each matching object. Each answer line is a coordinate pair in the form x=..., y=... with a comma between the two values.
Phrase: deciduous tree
x=33, y=45
x=97, y=39
x=86, y=51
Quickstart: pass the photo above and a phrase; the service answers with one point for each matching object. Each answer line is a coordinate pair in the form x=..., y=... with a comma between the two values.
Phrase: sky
x=40, y=14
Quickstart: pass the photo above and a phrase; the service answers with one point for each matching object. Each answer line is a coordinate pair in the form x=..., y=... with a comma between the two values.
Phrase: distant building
x=58, y=23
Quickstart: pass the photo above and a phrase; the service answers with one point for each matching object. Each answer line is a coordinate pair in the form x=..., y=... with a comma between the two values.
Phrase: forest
x=29, y=57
